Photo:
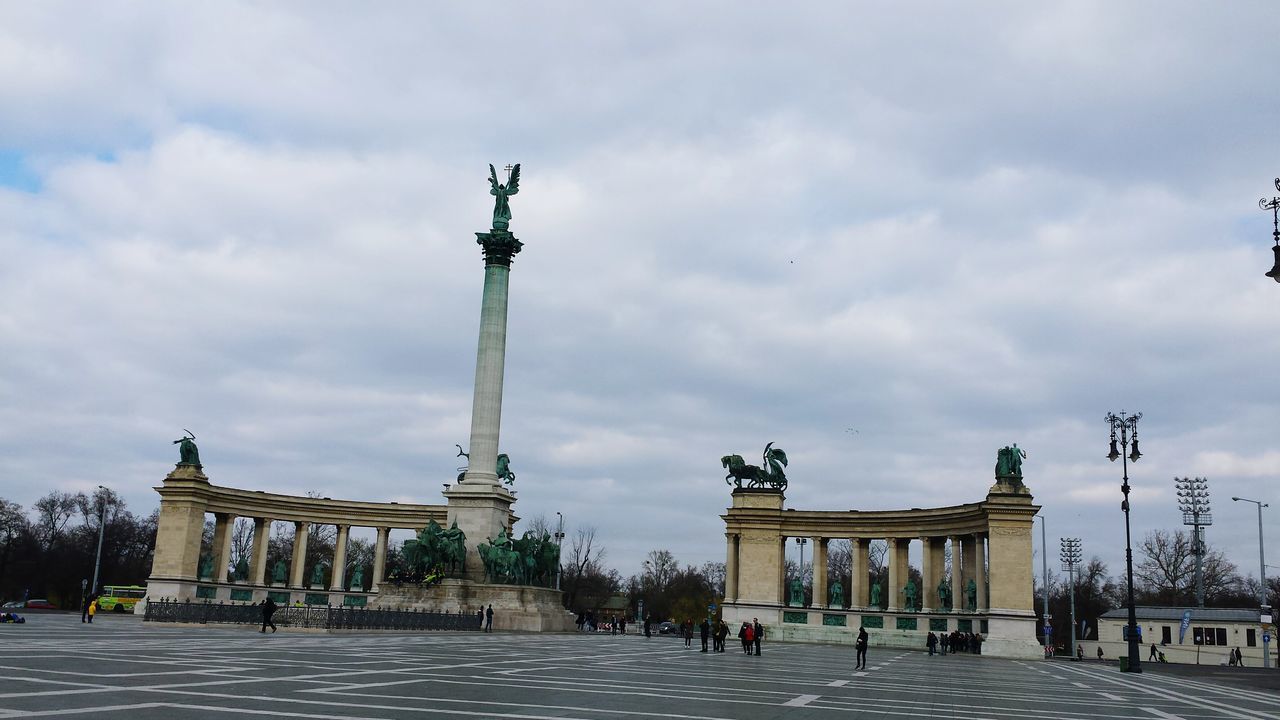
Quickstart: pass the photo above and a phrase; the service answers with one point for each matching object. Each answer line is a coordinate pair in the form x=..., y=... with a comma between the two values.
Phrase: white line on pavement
x=1109, y=696
x=838, y=683
x=1163, y=714
x=801, y=700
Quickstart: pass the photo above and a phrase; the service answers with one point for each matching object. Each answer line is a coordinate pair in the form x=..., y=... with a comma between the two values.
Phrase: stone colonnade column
x=782, y=574
x=971, y=568
x=980, y=570
x=939, y=562
x=261, y=538
x=927, y=593
x=337, y=577
x=731, y=567
x=222, y=525
x=819, y=572
x=892, y=592
x=860, y=549
x=379, y=558
x=298, y=567
x=957, y=576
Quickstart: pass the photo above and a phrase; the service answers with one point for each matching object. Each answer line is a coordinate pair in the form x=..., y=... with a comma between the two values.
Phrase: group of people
x=88, y=608
x=586, y=622
x=956, y=642
x=1235, y=659
x=751, y=633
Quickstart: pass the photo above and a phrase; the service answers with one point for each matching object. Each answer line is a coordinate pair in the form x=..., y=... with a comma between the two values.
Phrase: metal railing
x=307, y=616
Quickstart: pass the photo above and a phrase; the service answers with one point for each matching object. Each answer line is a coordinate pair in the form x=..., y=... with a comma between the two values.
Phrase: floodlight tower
x=1071, y=555
x=1193, y=500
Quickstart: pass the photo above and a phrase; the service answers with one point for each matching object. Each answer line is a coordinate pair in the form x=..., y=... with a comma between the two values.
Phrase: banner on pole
x=1186, y=623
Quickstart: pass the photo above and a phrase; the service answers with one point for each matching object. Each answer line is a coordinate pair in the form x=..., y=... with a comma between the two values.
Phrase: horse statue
x=770, y=473
x=504, y=469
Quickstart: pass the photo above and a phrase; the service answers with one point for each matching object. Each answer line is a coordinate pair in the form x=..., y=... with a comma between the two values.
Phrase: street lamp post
x=1274, y=206
x=559, y=538
x=1262, y=574
x=1071, y=556
x=102, y=522
x=1044, y=546
x=1124, y=427
x=1193, y=500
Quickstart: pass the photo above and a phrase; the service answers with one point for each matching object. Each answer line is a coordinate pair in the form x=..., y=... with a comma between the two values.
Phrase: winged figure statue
x=501, y=208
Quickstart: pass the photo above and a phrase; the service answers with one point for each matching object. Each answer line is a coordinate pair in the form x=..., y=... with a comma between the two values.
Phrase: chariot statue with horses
x=770, y=473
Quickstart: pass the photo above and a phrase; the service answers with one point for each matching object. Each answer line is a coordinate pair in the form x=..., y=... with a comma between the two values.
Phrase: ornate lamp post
x=1274, y=206
x=1193, y=500
x=1124, y=427
x=1071, y=556
x=1262, y=575
x=559, y=538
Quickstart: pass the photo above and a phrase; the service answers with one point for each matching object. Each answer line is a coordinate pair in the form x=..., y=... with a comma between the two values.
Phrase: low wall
x=515, y=607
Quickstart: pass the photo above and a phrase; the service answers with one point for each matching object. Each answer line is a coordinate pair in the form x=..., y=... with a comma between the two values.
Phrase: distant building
x=1210, y=636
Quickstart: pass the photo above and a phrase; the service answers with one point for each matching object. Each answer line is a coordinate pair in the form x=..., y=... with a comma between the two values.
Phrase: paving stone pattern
x=121, y=668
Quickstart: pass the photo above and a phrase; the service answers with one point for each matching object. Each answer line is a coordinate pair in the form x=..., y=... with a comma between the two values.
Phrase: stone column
x=980, y=570
x=894, y=590
x=819, y=572
x=298, y=567
x=928, y=591
x=939, y=563
x=176, y=561
x=860, y=549
x=222, y=526
x=258, y=563
x=784, y=592
x=379, y=558
x=971, y=569
x=486, y=405
x=338, y=576
x=957, y=576
x=731, y=567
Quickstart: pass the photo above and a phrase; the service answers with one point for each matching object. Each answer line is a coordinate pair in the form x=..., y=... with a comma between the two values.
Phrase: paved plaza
x=121, y=668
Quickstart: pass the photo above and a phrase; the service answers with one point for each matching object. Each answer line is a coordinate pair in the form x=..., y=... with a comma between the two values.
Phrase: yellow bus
x=120, y=598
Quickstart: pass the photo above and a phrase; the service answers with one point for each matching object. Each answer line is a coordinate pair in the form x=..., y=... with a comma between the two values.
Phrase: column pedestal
x=481, y=511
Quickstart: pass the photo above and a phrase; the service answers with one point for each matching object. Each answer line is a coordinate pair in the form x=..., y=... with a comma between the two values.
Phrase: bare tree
x=659, y=568
x=537, y=526
x=1166, y=571
x=584, y=559
x=241, y=541
x=714, y=573
x=104, y=502
x=53, y=512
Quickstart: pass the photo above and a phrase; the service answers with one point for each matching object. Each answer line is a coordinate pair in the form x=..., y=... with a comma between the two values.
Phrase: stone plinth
x=515, y=607
x=481, y=511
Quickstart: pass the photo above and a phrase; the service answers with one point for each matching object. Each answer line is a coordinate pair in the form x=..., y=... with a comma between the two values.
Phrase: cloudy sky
x=889, y=239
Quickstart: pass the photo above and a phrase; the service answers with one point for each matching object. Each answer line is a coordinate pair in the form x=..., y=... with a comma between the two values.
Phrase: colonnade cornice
x=292, y=508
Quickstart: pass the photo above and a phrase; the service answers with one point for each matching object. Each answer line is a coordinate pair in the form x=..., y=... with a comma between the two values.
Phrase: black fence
x=309, y=616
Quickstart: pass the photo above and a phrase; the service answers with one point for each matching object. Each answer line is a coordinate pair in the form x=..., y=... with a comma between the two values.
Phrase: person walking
x=622, y=624
x=931, y=642
x=1099, y=653
x=742, y=636
x=84, y=608
x=1080, y=652
x=704, y=630
x=943, y=641
x=1239, y=658
x=488, y=618
x=686, y=629
x=268, y=609
x=93, y=609
x=757, y=633
x=480, y=619
x=861, y=646
x=1152, y=655
x=647, y=624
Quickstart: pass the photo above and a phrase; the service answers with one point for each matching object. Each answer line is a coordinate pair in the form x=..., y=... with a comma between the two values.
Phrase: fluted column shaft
x=298, y=568
x=379, y=558
x=223, y=525
x=338, y=576
x=491, y=352
x=261, y=536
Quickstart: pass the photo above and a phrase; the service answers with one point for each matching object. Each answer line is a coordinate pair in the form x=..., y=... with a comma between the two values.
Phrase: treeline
x=48, y=550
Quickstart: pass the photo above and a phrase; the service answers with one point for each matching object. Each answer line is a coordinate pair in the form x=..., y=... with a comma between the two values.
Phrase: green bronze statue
x=357, y=579
x=242, y=570
x=971, y=593
x=769, y=474
x=797, y=593
x=278, y=573
x=910, y=595
x=944, y=595
x=500, y=193
x=206, y=567
x=317, y=575
x=504, y=469
x=187, y=452
x=837, y=595
x=1009, y=463
x=875, y=594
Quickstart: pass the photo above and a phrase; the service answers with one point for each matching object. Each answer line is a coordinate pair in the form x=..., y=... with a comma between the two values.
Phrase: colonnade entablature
x=974, y=575
x=186, y=496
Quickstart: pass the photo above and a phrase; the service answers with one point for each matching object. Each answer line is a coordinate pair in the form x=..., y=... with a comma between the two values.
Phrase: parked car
x=40, y=604
x=668, y=628
x=13, y=604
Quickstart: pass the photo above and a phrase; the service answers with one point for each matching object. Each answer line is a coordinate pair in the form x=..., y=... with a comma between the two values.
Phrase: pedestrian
x=581, y=621
x=622, y=624
x=977, y=643
x=93, y=609
x=704, y=630
x=724, y=634
x=931, y=642
x=686, y=629
x=488, y=618
x=757, y=633
x=84, y=608
x=1079, y=652
x=1152, y=655
x=1099, y=653
x=1239, y=658
x=742, y=636
x=943, y=641
x=647, y=624
x=613, y=625
x=480, y=619
x=861, y=646
x=268, y=609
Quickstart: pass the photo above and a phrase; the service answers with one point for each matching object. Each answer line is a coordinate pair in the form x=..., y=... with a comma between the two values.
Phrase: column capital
x=499, y=247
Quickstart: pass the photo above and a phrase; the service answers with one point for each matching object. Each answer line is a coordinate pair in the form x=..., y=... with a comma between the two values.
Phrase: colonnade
x=968, y=562
x=221, y=550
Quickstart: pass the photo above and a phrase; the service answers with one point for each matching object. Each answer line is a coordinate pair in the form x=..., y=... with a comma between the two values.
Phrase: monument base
x=515, y=607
